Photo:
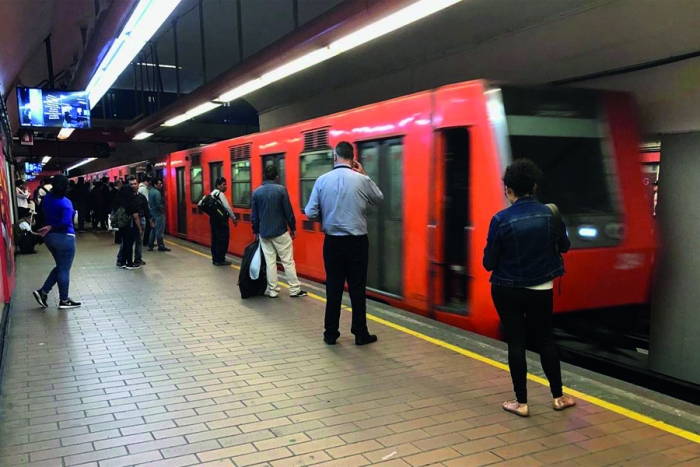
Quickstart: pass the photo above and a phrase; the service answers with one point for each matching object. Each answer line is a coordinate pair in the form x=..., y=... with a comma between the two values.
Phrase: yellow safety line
x=502, y=366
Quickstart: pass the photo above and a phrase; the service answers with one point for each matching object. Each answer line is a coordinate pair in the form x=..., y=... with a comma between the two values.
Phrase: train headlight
x=588, y=232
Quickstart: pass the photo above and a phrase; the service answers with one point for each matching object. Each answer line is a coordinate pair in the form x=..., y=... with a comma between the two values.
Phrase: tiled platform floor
x=166, y=366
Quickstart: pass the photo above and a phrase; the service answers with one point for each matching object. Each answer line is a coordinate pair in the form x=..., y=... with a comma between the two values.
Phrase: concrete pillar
x=674, y=346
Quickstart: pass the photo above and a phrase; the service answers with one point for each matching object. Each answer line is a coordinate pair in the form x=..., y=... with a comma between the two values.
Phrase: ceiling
x=533, y=41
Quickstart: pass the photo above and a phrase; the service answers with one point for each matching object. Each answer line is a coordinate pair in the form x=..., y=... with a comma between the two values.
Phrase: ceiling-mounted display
x=53, y=109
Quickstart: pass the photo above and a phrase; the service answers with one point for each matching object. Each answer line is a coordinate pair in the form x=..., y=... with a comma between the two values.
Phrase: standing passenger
x=272, y=214
x=81, y=195
x=339, y=199
x=157, y=207
x=129, y=199
x=144, y=190
x=23, y=195
x=523, y=252
x=219, y=230
x=59, y=236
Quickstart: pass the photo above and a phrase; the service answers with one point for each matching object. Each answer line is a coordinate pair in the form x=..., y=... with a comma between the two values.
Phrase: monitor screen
x=55, y=109
x=32, y=168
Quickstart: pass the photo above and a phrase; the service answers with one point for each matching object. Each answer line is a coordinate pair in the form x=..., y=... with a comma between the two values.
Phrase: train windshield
x=561, y=131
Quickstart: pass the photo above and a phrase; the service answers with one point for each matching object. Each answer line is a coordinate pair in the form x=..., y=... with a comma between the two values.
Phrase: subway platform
x=167, y=366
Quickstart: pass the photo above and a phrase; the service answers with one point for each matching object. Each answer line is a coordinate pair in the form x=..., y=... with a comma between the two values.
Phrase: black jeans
x=219, y=241
x=345, y=259
x=128, y=235
x=520, y=309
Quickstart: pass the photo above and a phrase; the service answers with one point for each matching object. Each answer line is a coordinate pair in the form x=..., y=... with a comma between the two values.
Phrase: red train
x=438, y=156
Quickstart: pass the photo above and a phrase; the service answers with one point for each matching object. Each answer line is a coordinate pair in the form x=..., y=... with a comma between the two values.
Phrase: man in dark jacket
x=81, y=196
x=140, y=206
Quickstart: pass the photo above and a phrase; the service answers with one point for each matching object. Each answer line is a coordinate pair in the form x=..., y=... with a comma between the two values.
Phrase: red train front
x=438, y=156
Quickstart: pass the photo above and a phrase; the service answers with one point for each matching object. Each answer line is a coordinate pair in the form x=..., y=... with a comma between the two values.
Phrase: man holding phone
x=339, y=199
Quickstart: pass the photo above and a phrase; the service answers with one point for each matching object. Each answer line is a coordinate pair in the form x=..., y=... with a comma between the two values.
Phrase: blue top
x=58, y=213
x=271, y=211
x=340, y=198
x=521, y=248
x=155, y=202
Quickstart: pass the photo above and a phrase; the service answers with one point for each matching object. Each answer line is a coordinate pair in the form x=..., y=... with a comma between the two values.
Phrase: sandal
x=563, y=402
x=521, y=410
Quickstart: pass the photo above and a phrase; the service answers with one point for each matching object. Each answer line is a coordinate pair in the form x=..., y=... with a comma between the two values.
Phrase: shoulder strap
x=557, y=222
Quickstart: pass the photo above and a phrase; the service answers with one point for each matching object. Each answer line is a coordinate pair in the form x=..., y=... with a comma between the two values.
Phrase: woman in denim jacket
x=523, y=252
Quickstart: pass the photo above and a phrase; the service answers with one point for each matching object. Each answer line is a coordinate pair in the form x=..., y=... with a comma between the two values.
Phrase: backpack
x=119, y=218
x=211, y=206
x=247, y=286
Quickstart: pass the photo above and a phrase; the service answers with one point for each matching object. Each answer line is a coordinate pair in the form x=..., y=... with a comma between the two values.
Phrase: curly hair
x=521, y=176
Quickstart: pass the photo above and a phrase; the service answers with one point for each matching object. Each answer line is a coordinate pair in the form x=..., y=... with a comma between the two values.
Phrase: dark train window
x=278, y=161
x=313, y=165
x=196, y=184
x=216, y=170
x=240, y=183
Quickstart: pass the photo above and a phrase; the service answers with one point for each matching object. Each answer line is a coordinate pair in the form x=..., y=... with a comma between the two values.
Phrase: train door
x=278, y=161
x=383, y=162
x=457, y=227
x=181, y=201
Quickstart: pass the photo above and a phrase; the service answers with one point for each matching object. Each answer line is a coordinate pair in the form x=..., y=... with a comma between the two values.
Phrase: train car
x=7, y=246
x=438, y=156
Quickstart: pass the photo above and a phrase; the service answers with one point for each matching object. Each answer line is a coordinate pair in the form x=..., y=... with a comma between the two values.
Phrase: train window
x=278, y=161
x=313, y=165
x=196, y=184
x=240, y=181
x=216, y=170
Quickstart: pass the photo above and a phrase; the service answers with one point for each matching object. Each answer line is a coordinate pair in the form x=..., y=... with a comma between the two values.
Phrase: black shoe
x=150, y=248
x=225, y=263
x=66, y=304
x=368, y=339
x=301, y=293
x=140, y=262
x=164, y=249
x=40, y=297
x=132, y=266
x=120, y=265
x=329, y=341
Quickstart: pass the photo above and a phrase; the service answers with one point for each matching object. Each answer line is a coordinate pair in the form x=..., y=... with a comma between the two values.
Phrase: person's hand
x=357, y=167
x=235, y=222
x=293, y=234
x=153, y=224
x=44, y=230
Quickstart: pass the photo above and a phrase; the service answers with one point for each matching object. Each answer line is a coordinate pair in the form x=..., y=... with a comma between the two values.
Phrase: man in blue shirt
x=157, y=207
x=339, y=199
x=271, y=215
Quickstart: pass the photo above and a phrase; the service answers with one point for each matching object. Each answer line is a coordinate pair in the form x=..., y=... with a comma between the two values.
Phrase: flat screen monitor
x=32, y=168
x=53, y=109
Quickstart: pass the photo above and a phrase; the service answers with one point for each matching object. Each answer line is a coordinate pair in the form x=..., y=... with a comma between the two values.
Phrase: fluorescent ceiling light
x=242, y=90
x=172, y=67
x=298, y=65
x=65, y=133
x=145, y=20
x=46, y=159
x=199, y=110
x=142, y=135
x=80, y=164
x=401, y=18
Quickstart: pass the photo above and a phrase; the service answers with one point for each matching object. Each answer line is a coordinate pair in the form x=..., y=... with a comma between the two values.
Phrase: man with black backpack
x=217, y=207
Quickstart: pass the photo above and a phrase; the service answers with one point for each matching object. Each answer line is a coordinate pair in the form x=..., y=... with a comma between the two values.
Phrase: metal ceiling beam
x=349, y=16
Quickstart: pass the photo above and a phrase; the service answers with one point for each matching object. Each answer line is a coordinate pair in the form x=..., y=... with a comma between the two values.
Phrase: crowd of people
x=523, y=251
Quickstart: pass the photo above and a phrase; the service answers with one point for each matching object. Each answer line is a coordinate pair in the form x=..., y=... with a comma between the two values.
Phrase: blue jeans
x=62, y=248
x=157, y=233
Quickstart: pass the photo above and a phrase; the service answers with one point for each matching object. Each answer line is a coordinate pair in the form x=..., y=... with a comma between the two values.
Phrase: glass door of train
x=456, y=222
x=181, y=201
x=383, y=162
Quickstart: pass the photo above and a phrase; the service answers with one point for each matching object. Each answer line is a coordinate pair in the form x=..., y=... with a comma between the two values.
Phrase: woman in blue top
x=59, y=236
x=523, y=251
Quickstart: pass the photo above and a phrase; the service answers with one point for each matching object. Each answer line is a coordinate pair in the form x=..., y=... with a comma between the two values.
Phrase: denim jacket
x=520, y=249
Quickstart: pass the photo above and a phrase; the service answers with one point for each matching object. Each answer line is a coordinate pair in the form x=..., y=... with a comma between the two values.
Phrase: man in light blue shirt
x=339, y=199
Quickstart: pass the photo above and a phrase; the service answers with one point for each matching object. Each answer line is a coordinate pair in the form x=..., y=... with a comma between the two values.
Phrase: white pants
x=281, y=246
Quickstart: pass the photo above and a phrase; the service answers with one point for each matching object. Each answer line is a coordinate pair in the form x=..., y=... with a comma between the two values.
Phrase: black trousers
x=346, y=259
x=219, y=241
x=521, y=309
x=128, y=235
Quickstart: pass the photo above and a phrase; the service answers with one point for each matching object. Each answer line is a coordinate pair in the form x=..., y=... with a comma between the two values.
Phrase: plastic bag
x=255, y=263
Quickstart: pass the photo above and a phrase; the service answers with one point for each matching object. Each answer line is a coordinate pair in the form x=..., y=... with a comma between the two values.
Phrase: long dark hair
x=59, y=186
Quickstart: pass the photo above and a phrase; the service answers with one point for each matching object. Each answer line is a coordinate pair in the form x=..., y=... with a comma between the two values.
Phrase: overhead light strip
x=142, y=135
x=80, y=164
x=397, y=20
x=46, y=160
x=143, y=23
x=65, y=133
